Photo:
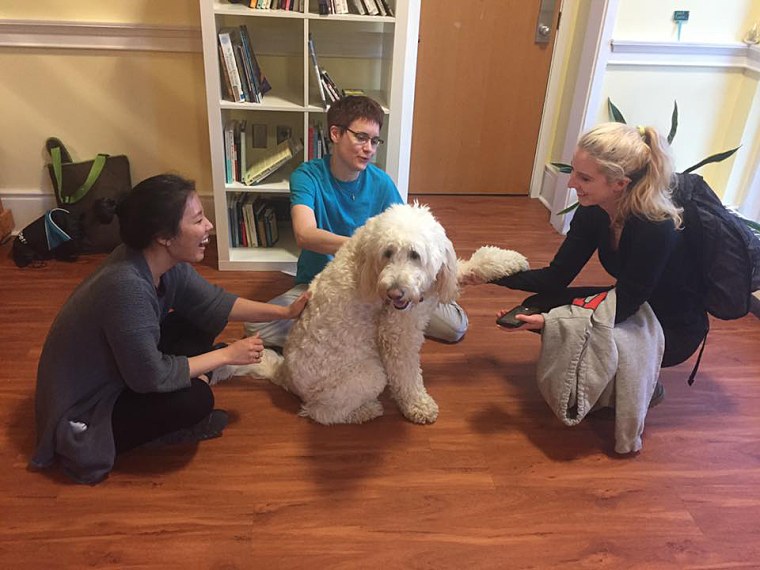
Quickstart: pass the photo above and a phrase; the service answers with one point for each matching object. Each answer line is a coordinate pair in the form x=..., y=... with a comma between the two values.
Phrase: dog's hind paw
x=424, y=410
x=367, y=411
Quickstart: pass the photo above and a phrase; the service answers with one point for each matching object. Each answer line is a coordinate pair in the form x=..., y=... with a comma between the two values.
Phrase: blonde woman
x=623, y=176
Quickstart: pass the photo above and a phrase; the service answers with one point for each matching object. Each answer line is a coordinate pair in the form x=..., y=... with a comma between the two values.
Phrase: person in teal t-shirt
x=331, y=197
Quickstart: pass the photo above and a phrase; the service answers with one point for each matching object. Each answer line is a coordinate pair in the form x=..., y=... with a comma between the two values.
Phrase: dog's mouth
x=402, y=304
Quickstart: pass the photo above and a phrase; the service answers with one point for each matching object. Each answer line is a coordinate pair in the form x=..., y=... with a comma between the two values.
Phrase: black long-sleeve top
x=651, y=263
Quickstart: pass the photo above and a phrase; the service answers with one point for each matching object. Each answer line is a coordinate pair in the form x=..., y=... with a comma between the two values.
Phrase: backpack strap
x=92, y=177
x=53, y=232
x=699, y=358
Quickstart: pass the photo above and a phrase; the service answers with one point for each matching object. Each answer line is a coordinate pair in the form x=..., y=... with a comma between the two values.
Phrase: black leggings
x=680, y=343
x=139, y=418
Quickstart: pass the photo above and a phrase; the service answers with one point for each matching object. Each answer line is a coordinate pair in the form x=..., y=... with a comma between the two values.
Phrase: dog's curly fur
x=363, y=327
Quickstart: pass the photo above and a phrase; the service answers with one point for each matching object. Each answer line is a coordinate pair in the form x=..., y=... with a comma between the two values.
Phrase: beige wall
x=155, y=12
x=149, y=105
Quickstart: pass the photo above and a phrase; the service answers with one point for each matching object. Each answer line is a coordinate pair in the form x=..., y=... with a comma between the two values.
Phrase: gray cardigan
x=104, y=339
x=588, y=361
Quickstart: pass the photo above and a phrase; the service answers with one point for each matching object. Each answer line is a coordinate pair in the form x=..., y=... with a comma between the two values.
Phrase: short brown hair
x=346, y=110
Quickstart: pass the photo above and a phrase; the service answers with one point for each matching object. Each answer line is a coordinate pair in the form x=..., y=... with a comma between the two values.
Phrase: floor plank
x=496, y=482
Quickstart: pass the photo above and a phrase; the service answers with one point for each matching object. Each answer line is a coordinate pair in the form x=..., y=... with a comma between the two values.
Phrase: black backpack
x=728, y=249
x=55, y=234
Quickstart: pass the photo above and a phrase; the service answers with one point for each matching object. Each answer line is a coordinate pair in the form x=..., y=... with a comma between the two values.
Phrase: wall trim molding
x=676, y=54
x=99, y=36
x=29, y=204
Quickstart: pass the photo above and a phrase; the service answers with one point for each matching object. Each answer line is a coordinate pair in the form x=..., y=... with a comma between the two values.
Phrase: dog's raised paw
x=489, y=263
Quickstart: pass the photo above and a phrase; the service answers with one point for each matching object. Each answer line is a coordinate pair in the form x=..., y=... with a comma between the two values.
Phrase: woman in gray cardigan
x=128, y=358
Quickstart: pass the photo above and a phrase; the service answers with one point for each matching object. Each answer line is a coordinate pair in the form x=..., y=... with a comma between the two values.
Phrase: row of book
x=290, y=5
x=329, y=92
x=236, y=165
x=242, y=77
x=253, y=221
x=318, y=142
x=361, y=7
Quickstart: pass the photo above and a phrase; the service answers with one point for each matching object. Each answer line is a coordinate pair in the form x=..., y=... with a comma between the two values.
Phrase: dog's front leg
x=400, y=337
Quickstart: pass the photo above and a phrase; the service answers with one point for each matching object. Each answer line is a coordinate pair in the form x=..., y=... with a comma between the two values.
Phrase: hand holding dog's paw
x=489, y=263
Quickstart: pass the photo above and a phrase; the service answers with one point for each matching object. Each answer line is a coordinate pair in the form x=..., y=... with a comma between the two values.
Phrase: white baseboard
x=28, y=205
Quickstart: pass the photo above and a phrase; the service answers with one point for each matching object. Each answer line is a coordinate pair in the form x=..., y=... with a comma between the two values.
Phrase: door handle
x=544, y=25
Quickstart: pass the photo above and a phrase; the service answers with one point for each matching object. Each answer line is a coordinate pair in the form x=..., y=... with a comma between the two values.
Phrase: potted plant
x=617, y=116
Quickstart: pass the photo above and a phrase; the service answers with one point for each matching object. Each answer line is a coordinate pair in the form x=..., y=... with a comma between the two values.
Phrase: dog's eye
x=414, y=255
x=388, y=253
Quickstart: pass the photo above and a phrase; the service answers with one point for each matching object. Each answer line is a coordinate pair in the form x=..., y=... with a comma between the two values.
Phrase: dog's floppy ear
x=446, y=281
x=366, y=265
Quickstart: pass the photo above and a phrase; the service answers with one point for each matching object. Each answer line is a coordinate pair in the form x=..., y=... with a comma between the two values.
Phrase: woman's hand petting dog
x=296, y=307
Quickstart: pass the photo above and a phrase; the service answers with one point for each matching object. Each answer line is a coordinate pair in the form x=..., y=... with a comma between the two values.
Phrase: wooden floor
x=496, y=482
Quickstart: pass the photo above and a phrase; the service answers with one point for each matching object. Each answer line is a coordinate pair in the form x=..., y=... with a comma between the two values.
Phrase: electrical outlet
x=681, y=16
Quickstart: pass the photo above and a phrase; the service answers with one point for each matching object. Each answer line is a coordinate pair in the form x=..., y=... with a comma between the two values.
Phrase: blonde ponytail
x=642, y=155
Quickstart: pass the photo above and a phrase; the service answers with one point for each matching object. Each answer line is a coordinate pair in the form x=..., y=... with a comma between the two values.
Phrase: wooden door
x=481, y=84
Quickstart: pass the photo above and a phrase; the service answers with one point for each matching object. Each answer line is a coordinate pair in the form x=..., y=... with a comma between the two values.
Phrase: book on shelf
x=359, y=7
x=242, y=140
x=315, y=68
x=317, y=143
x=230, y=152
x=254, y=220
x=270, y=223
x=272, y=162
x=235, y=149
x=259, y=82
x=230, y=65
x=245, y=80
x=331, y=87
x=243, y=68
x=388, y=9
x=372, y=9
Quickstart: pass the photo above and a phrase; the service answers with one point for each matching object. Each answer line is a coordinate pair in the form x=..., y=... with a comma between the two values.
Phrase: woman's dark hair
x=153, y=208
x=346, y=110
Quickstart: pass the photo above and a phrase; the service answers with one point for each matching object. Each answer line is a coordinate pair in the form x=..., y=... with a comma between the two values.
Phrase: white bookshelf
x=377, y=54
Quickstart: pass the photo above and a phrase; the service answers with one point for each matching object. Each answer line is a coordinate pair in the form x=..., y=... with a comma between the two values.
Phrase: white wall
x=712, y=21
x=716, y=95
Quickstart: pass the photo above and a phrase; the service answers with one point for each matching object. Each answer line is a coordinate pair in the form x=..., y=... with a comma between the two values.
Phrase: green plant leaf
x=562, y=167
x=673, y=123
x=615, y=114
x=712, y=158
x=754, y=226
x=570, y=208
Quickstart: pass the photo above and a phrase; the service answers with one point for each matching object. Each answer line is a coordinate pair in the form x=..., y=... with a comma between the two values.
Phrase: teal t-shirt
x=339, y=207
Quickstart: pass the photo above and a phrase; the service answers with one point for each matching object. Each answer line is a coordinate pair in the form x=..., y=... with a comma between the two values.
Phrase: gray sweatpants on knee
x=447, y=323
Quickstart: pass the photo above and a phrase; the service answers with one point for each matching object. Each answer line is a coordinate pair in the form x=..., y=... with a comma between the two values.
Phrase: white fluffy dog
x=363, y=327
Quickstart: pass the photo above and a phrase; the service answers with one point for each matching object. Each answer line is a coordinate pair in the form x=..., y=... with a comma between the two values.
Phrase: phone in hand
x=509, y=320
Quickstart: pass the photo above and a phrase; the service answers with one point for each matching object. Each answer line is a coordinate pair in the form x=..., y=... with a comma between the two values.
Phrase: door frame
x=547, y=184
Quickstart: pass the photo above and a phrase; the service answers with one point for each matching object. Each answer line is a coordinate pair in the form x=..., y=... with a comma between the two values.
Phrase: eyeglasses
x=364, y=138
